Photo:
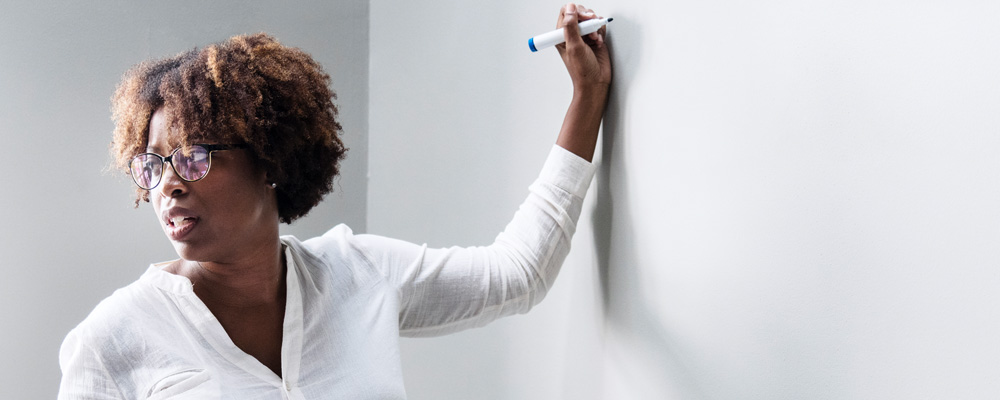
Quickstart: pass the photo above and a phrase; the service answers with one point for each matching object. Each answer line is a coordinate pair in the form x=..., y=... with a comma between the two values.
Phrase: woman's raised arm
x=589, y=65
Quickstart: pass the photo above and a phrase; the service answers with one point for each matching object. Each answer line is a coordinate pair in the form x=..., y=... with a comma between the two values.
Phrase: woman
x=228, y=141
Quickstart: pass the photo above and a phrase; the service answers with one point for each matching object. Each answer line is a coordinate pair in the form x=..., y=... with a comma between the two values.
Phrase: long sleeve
x=450, y=289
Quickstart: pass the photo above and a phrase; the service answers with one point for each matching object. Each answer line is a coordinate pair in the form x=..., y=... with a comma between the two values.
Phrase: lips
x=179, y=222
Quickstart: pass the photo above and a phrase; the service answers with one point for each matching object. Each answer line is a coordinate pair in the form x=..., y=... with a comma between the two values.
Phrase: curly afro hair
x=248, y=90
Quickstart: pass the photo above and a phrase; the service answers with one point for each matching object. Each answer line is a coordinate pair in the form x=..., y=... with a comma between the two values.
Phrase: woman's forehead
x=164, y=138
x=159, y=132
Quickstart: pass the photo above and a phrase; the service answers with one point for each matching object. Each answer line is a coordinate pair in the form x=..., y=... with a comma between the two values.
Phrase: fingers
x=569, y=21
x=581, y=14
x=586, y=14
x=569, y=8
x=600, y=34
x=562, y=15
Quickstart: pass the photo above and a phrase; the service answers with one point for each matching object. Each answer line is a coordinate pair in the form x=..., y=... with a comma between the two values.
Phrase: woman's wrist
x=592, y=90
x=589, y=104
x=583, y=121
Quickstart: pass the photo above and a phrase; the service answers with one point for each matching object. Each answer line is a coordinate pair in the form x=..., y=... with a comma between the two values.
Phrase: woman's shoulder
x=124, y=310
x=337, y=254
x=137, y=326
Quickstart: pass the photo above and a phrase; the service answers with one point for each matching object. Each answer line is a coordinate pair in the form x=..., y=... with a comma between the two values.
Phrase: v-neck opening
x=213, y=332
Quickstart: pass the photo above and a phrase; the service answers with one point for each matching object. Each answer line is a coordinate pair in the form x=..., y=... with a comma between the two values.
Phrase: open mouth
x=180, y=222
x=178, y=227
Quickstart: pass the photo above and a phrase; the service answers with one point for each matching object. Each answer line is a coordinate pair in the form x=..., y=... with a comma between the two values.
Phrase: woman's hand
x=586, y=57
x=589, y=65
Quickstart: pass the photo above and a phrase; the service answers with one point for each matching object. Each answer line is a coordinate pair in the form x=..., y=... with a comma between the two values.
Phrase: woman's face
x=225, y=216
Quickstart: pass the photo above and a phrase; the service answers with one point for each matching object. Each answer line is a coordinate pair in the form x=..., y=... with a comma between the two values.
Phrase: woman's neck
x=256, y=280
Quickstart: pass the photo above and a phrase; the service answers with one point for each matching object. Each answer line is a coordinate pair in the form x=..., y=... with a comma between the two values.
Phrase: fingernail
x=569, y=9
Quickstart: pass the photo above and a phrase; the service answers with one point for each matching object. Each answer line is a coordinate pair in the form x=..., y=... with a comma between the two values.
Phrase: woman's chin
x=189, y=252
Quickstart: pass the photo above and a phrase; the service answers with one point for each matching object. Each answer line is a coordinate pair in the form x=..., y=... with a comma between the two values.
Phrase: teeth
x=180, y=221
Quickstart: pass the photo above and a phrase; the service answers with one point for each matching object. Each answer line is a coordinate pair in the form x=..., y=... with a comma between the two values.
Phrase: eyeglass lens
x=146, y=169
x=190, y=163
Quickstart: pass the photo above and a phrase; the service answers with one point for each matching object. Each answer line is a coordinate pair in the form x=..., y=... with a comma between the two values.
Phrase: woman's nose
x=171, y=185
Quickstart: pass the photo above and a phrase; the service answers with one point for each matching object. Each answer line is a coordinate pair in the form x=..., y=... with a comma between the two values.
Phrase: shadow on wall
x=629, y=320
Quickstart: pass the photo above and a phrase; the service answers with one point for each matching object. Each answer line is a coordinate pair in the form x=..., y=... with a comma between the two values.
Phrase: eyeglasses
x=191, y=163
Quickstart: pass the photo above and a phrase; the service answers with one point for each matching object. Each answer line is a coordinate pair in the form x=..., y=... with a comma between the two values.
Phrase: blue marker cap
x=531, y=44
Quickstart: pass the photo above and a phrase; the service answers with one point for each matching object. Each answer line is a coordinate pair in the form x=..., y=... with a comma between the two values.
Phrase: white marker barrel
x=557, y=36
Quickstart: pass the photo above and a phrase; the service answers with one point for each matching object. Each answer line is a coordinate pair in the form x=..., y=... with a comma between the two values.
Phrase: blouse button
x=288, y=386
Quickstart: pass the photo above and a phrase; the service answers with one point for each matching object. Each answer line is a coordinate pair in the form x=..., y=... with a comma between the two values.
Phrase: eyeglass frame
x=211, y=148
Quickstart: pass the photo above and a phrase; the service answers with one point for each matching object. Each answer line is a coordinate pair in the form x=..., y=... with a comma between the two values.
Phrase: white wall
x=70, y=235
x=796, y=199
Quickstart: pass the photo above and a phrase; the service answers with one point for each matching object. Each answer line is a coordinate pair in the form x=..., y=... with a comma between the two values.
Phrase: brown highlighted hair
x=249, y=90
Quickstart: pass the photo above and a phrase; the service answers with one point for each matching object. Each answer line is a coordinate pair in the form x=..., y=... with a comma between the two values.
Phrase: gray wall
x=70, y=235
x=796, y=200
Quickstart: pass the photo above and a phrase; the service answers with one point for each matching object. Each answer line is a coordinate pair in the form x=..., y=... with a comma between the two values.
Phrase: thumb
x=571, y=26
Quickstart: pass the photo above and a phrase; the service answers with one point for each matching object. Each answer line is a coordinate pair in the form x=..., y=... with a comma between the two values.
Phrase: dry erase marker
x=557, y=36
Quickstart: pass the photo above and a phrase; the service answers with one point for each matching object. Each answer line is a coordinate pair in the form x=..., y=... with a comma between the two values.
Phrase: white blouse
x=349, y=298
